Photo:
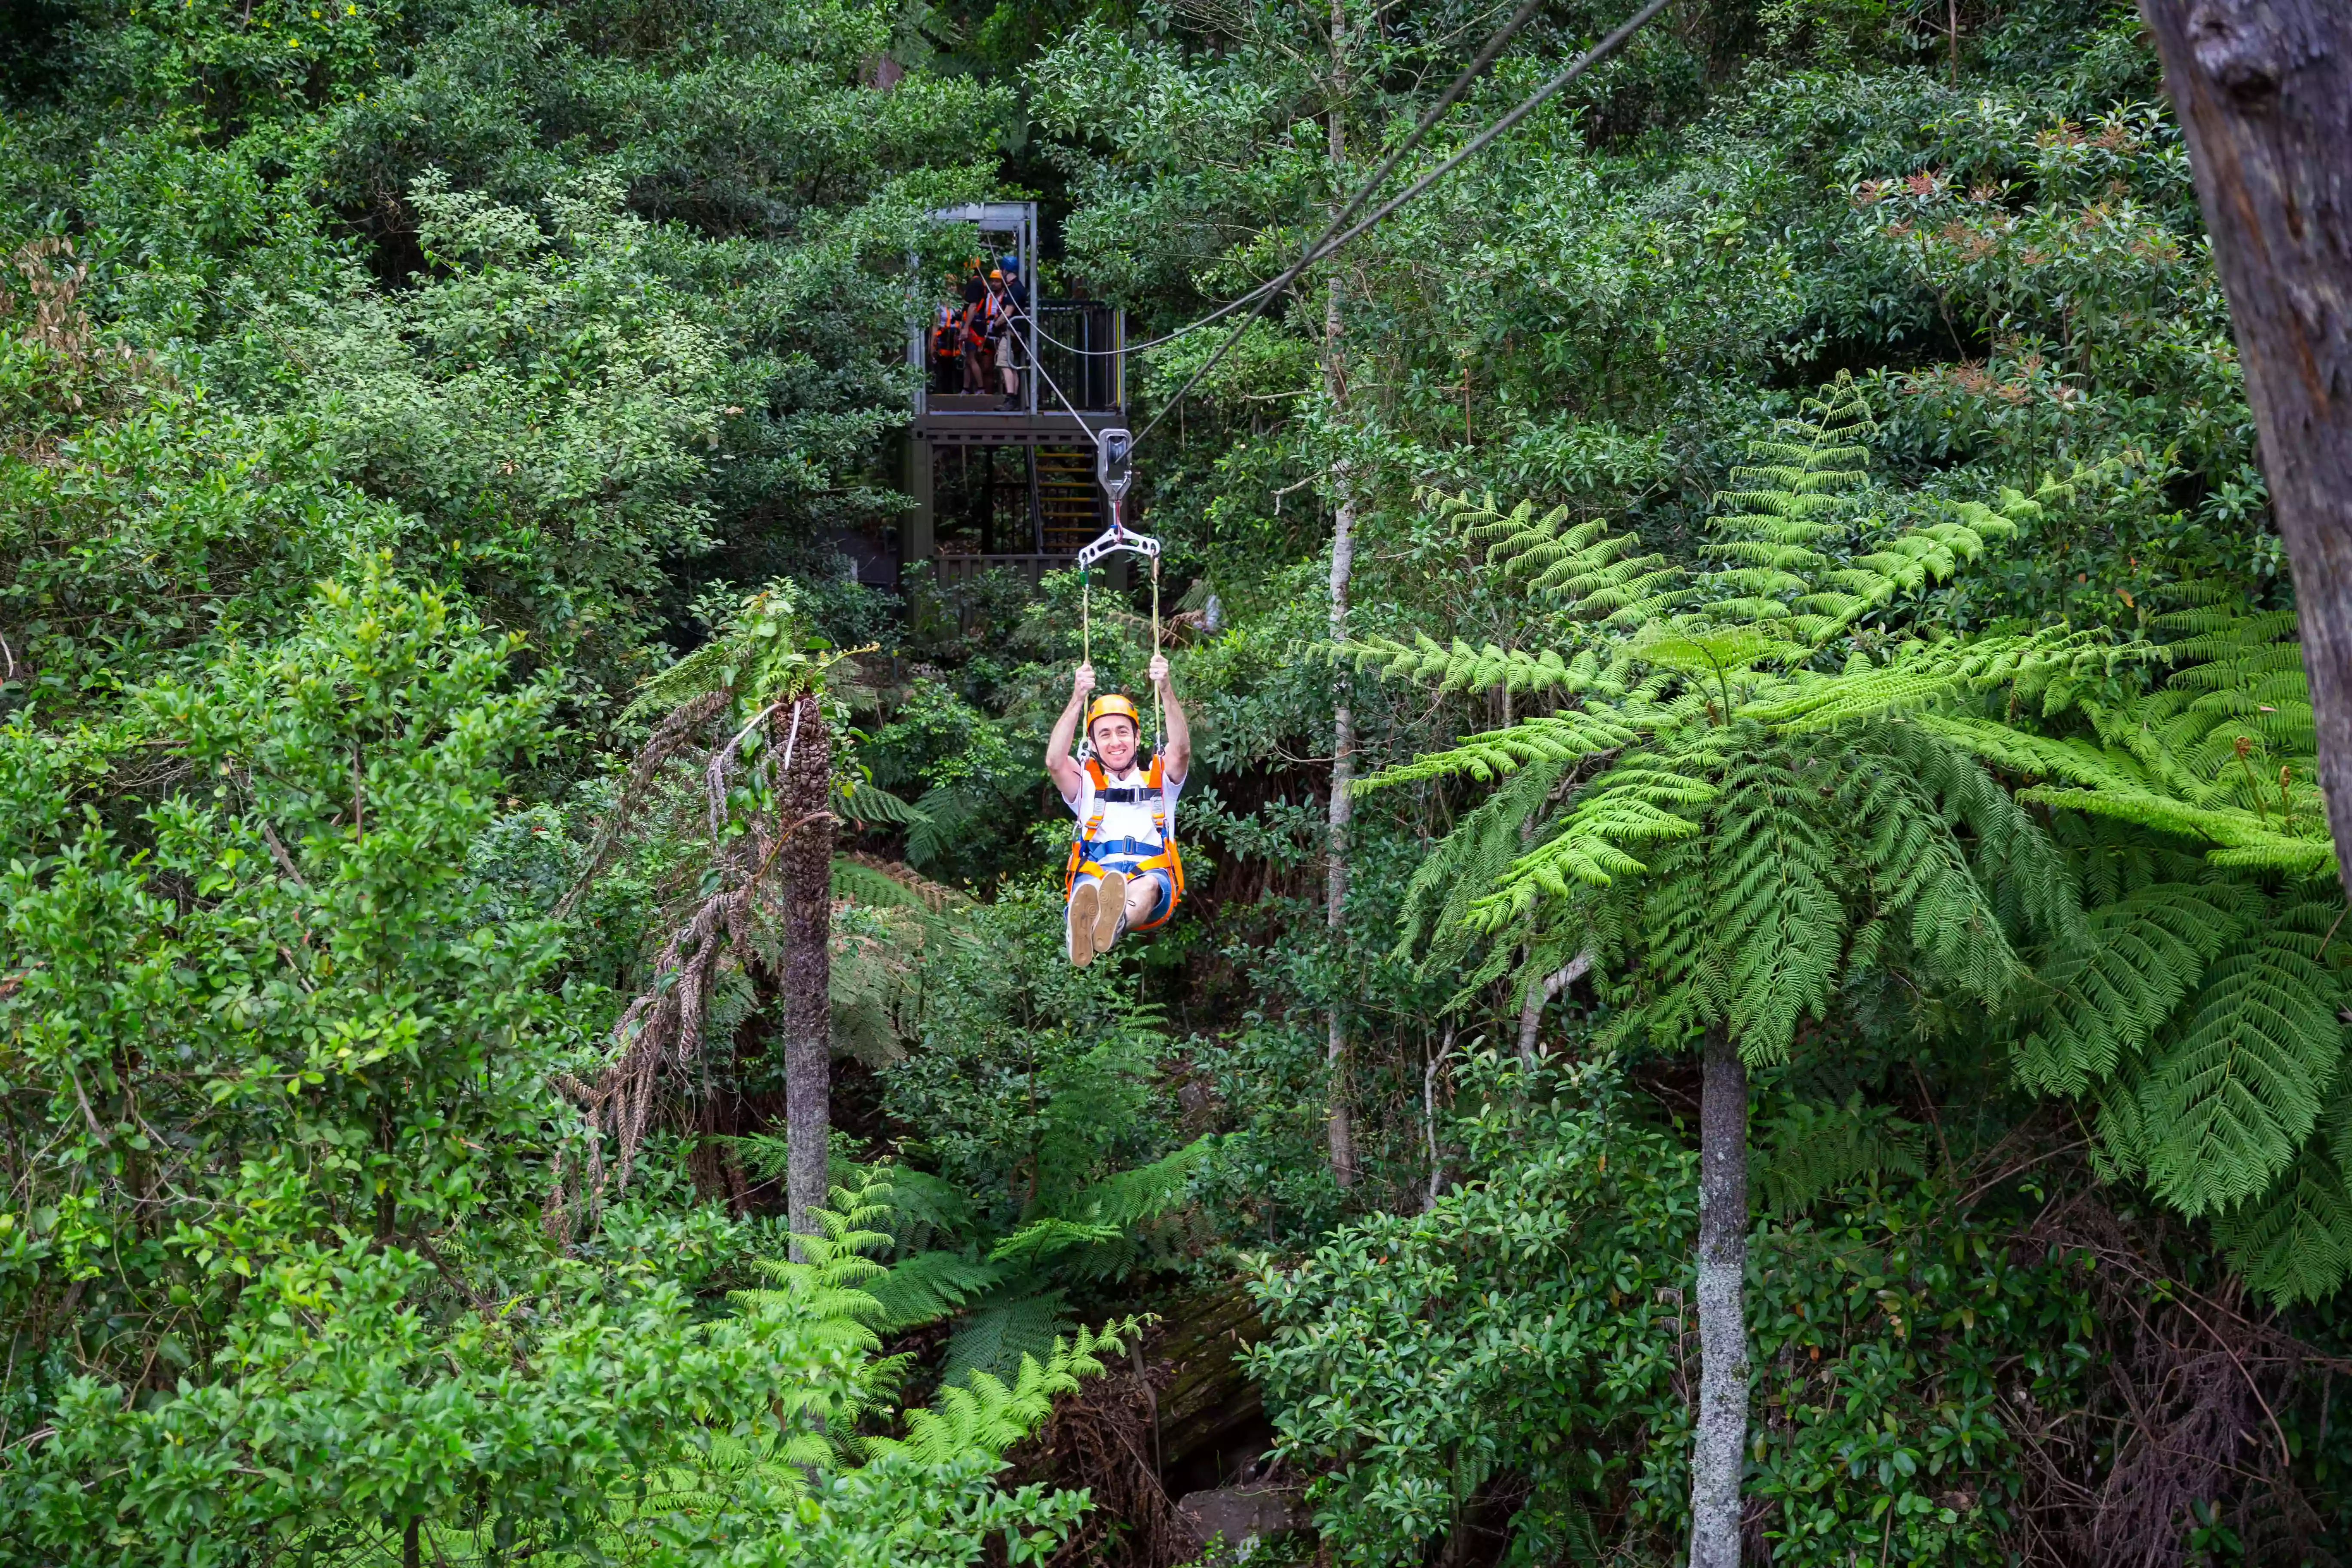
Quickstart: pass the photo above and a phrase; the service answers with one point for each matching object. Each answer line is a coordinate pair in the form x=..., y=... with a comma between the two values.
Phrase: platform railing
x=1079, y=342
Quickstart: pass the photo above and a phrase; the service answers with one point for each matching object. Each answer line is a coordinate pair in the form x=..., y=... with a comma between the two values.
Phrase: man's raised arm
x=1176, y=749
x=1060, y=763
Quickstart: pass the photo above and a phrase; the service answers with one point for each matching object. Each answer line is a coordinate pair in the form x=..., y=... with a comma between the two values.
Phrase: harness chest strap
x=1082, y=863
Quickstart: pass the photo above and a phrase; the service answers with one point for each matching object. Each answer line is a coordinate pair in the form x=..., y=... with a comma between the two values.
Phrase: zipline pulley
x=1114, y=469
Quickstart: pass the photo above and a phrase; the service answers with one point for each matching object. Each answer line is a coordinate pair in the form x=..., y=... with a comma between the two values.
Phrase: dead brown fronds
x=657, y=1043
x=1106, y=1438
x=937, y=897
x=2184, y=1412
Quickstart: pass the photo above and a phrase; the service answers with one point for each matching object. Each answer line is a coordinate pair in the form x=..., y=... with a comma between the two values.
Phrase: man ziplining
x=1124, y=874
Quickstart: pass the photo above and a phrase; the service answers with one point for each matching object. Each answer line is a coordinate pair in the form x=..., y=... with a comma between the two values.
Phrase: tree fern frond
x=930, y=1286
x=1775, y=895
x=1564, y=737
x=1147, y=1192
x=862, y=803
x=885, y=884
x=978, y=1413
x=2095, y=1003
x=1002, y=1330
x=1631, y=805
x=2294, y=1242
x=1592, y=572
x=1465, y=864
x=2232, y=1099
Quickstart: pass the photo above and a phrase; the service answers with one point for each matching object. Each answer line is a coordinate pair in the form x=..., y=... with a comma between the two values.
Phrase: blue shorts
x=1158, y=874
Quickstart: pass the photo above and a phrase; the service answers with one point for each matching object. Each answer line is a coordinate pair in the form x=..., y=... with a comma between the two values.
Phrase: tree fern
x=1779, y=788
x=1005, y=1327
x=981, y=1413
x=2236, y=1094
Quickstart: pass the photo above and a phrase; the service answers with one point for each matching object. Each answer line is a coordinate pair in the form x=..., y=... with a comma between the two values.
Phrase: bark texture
x=1343, y=720
x=805, y=862
x=1540, y=989
x=1722, y=1434
x=2263, y=92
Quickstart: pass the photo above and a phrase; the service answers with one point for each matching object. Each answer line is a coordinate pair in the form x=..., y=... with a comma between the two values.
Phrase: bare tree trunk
x=1722, y=1435
x=806, y=862
x=1343, y=720
x=2263, y=92
x=1542, y=989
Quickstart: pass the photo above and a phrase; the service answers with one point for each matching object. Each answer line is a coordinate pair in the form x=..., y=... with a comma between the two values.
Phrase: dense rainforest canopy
x=1760, y=969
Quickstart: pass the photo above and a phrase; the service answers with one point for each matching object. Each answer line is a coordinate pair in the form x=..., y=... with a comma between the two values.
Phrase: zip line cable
x=1086, y=574
x=1476, y=144
x=1325, y=246
x=1452, y=95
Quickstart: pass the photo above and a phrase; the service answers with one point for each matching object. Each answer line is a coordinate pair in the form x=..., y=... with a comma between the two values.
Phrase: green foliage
x=1527, y=1324
x=1748, y=831
x=1754, y=833
x=281, y=1061
x=1810, y=1151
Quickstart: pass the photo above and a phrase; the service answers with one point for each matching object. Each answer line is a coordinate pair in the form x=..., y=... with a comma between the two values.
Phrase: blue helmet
x=1011, y=264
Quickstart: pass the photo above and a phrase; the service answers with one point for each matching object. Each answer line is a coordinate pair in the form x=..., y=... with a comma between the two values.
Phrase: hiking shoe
x=1085, y=901
x=1110, y=911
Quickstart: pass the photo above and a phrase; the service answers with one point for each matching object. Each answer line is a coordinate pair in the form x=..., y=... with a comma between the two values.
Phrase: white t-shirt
x=1124, y=819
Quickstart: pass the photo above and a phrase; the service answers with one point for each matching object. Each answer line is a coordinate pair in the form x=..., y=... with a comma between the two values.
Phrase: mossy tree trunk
x=2263, y=92
x=1722, y=1434
x=806, y=862
x=1343, y=719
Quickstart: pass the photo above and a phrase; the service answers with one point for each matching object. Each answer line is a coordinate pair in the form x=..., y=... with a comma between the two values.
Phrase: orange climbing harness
x=1160, y=855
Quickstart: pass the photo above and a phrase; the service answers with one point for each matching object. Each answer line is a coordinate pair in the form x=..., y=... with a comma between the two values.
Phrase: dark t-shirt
x=974, y=289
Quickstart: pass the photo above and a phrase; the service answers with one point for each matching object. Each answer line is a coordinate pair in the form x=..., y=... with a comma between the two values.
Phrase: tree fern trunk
x=1343, y=720
x=805, y=862
x=2263, y=92
x=1722, y=1328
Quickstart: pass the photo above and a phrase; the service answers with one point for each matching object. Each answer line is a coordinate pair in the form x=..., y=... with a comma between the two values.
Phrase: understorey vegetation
x=1763, y=973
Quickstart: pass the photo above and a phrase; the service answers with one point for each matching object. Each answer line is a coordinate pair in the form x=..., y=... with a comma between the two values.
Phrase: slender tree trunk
x=1343, y=720
x=2263, y=92
x=1542, y=989
x=805, y=862
x=1722, y=1434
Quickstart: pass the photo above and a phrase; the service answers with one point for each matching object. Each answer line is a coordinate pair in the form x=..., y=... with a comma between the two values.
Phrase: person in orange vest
x=1124, y=874
x=947, y=350
x=975, y=332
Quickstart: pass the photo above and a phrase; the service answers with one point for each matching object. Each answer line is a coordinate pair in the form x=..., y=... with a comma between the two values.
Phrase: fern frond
x=1565, y=737
x=1147, y=1192
x=1465, y=864
x=2233, y=1097
x=1594, y=574
x=930, y=1286
x=2094, y=1003
x=1630, y=806
x=862, y=803
x=998, y=1332
x=2294, y=1242
x=885, y=884
x=979, y=1413
x=1462, y=667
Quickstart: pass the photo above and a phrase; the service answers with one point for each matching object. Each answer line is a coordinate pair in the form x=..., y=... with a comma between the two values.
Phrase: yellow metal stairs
x=1069, y=501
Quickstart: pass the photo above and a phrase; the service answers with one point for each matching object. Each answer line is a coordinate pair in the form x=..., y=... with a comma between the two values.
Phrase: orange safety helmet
x=1112, y=705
